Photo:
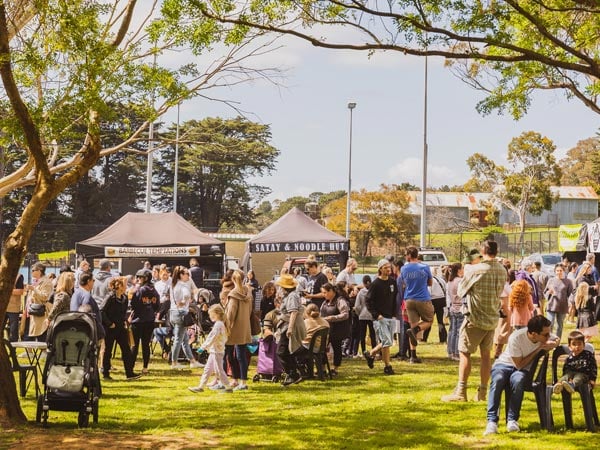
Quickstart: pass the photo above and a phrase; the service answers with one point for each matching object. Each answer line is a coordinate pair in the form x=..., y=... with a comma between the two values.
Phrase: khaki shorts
x=419, y=311
x=471, y=338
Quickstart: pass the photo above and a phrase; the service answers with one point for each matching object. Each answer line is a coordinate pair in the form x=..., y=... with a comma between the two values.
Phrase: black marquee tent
x=296, y=232
x=157, y=237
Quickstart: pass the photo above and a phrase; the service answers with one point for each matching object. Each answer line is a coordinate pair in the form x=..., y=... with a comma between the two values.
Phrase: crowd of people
x=488, y=306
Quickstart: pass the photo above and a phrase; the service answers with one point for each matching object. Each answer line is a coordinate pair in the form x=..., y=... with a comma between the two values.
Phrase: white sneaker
x=195, y=365
x=491, y=428
x=178, y=367
x=568, y=387
x=512, y=426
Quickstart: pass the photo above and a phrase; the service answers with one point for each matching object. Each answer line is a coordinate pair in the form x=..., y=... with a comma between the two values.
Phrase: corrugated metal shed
x=576, y=192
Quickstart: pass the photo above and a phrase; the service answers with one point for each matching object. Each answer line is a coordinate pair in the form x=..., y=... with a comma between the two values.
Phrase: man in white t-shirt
x=510, y=370
x=347, y=275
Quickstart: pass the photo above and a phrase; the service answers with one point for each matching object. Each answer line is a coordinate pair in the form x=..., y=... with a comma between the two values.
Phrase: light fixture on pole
x=351, y=106
x=176, y=170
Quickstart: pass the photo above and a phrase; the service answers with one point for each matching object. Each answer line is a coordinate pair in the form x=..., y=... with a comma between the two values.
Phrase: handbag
x=36, y=309
x=189, y=319
x=254, y=324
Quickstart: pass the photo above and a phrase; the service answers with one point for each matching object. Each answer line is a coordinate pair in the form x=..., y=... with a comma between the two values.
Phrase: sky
x=310, y=120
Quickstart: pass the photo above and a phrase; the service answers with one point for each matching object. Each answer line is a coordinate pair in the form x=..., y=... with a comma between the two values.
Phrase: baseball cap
x=381, y=263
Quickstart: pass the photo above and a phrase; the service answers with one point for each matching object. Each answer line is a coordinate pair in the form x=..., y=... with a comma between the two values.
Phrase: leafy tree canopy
x=507, y=48
x=217, y=157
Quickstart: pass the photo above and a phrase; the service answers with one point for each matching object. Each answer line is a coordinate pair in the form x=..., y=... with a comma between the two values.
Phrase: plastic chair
x=535, y=382
x=24, y=370
x=585, y=391
x=319, y=355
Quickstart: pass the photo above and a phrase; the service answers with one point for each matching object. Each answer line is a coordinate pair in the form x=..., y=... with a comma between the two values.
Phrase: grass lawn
x=361, y=408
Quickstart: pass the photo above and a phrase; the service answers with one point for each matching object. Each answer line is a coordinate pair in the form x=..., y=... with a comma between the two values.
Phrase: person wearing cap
x=481, y=287
x=144, y=306
x=381, y=303
x=290, y=328
x=101, y=290
x=39, y=292
x=415, y=279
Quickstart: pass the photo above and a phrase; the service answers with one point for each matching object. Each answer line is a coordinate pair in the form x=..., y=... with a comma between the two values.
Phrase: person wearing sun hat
x=381, y=303
x=290, y=328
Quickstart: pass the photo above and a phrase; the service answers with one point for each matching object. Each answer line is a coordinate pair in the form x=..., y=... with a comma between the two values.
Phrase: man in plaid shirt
x=481, y=288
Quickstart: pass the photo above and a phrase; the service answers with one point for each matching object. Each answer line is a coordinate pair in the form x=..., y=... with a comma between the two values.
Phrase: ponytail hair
x=312, y=310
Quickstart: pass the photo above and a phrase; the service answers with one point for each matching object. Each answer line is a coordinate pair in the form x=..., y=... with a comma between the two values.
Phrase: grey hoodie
x=101, y=291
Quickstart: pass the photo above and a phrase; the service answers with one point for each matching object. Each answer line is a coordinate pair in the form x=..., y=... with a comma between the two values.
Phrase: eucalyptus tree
x=64, y=65
x=523, y=186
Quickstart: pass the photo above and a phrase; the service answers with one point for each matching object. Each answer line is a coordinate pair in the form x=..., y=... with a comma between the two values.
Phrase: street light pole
x=351, y=106
x=175, y=178
x=424, y=186
x=150, y=157
x=149, y=168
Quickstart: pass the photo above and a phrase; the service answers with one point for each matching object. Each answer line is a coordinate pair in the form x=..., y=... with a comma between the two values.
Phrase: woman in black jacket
x=114, y=319
x=144, y=305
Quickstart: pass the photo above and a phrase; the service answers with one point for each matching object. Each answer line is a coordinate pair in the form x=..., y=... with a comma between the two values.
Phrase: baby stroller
x=268, y=366
x=70, y=377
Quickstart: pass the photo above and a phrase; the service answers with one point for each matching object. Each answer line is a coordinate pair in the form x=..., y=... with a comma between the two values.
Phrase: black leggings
x=438, y=309
x=142, y=331
x=120, y=336
x=336, y=345
x=363, y=325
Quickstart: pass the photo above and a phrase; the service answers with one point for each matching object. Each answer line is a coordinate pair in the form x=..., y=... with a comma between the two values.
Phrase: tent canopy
x=296, y=232
x=148, y=230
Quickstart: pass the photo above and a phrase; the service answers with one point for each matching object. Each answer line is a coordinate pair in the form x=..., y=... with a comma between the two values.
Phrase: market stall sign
x=149, y=252
x=298, y=247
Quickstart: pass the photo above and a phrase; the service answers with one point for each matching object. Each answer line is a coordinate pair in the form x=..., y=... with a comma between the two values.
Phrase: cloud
x=410, y=170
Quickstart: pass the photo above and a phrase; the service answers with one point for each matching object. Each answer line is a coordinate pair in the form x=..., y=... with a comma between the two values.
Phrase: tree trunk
x=15, y=248
x=10, y=408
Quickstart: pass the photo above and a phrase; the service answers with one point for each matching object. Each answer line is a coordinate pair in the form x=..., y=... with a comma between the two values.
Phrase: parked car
x=548, y=260
x=433, y=256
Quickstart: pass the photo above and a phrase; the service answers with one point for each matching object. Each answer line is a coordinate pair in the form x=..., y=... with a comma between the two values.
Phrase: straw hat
x=287, y=281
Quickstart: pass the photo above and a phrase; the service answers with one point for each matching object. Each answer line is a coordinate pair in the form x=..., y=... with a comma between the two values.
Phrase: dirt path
x=38, y=438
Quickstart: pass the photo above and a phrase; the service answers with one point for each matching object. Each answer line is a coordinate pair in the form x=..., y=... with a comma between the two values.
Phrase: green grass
x=362, y=408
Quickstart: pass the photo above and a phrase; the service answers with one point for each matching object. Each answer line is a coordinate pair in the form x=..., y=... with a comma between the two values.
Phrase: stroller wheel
x=276, y=379
x=83, y=420
x=256, y=378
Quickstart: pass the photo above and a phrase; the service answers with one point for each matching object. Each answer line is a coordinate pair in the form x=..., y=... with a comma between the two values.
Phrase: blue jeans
x=180, y=336
x=456, y=320
x=559, y=319
x=237, y=357
x=504, y=376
